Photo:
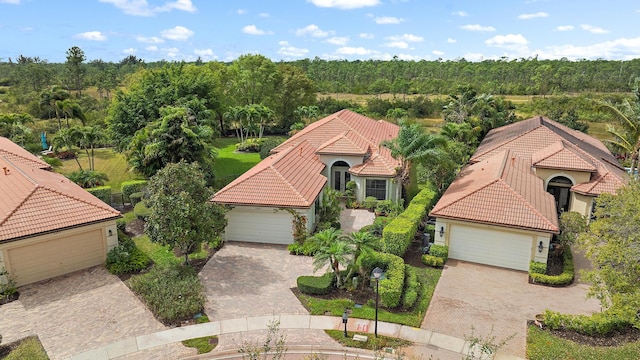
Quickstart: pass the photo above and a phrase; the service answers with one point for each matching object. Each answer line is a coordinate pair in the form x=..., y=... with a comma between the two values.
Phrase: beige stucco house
x=330, y=152
x=503, y=207
x=49, y=226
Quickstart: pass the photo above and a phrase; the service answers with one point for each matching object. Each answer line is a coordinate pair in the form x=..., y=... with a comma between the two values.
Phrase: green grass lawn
x=229, y=163
x=163, y=255
x=107, y=161
x=428, y=277
x=372, y=342
x=542, y=345
x=28, y=348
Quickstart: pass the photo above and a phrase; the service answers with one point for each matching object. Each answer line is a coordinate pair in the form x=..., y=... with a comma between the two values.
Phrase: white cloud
x=171, y=52
x=12, y=2
x=533, y=16
x=129, y=51
x=344, y=4
x=366, y=36
x=338, y=40
x=253, y=30
x=473, y=57
x=388, y=57
x=397, y=44
x=476, y=27
x=179, y=33
x=461, y=13
x=594, y=29
x=348, y=50
x=564, y=28
x=312, y=30
x=623, y=48
x=291, y=51
x=264, y=15
x=437, y=52
x=241, y=11
x=405, y=37
x=91, y=36
x=388, y=20
x=451, y=41
x=206, y=54
x=142, y=8
x=151, y=48
x=507, y=40
x=149, y=39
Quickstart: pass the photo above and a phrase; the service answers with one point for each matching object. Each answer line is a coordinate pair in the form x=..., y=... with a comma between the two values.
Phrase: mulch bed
x=8, y=299
x=617, y=338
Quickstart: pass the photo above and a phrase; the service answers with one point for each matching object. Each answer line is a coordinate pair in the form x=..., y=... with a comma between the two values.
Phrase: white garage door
x=259, y=225
x=44, y=260
x=491, y=247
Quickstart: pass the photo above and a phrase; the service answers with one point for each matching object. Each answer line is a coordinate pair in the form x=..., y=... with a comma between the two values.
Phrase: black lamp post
x=345, y=317
x=377, y=272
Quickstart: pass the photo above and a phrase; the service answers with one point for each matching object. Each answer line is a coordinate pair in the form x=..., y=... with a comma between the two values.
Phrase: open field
x=107, y=161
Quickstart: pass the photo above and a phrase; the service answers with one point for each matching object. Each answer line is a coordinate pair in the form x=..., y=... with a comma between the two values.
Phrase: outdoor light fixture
x=540, y=246
x=377, y=273
x=110, y=232
x=441, y=231
x=345, y=317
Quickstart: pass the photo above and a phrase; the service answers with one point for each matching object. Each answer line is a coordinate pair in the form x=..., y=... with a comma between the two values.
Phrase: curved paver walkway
x=419, y=336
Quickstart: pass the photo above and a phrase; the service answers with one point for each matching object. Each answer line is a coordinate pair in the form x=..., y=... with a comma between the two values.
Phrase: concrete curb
x=143, y=342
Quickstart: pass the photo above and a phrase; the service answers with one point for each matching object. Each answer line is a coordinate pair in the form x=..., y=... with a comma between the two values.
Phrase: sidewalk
x=420, y=337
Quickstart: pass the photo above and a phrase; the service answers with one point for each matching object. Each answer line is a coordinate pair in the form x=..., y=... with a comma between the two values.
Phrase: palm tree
x=49, y=99
x=363, y=243
x=66, y=138
x=89, y=137
x=234, y=115
x=70, y=109
x=333, y=251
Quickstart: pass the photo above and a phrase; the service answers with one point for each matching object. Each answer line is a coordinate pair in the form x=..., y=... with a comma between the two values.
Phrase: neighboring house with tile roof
x=330, y=152
x=49, y=226
x=503, y=207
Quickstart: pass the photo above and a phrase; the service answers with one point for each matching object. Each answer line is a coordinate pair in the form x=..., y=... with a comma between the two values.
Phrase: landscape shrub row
x=308, y=248
x=391, y=287
x=398, y=234
x=440, y=251
x=411, y=287
x=316, y=285
x=432, y=261
x=598, y=324
x=565, y=278
x=126, y=257
x=132, y=186
x=537, y=268
x=101, y=192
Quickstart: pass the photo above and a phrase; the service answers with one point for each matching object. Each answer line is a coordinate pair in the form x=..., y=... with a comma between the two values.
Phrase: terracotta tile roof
x=347, y=132
x=500, y=190
x=376, y=165
x=290, y=178
x=561, y=156
x=33, y=201
x=603, y=182
x=17, y=155
x=529, y=137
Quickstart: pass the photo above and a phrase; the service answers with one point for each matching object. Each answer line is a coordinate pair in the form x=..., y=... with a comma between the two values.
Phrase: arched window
x=340, y=175
x=560, y=187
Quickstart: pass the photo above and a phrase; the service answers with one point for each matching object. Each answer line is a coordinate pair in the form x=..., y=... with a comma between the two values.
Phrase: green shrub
x=8, y=287
x=565, y=278
x=252, y=145
x=441, y=251
x=141, y=211
x=425, y=197
x=399, y=233
x=309, y=248
x=391, y=287
x=316, y=285
x=126, y=257
x=136, y=197
x=601, y=324
x=267, y=145
x=121, y=224
x=432, y=261
x=411, y=287
x=537, y=268
x=384, y=207
x=132, y=186
x=101, y=192
x=370, y=203
x=172, y=293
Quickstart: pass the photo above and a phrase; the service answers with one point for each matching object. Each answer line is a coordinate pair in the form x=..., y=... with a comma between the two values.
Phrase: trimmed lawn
x=163, y=255
x=428, y=278
x=372, y=342
x=229, y=164
x=28, y=348
x=542, y=345
x=107, y=161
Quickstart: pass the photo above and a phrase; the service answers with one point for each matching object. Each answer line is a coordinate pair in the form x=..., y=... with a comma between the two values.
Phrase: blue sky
x=330, y=29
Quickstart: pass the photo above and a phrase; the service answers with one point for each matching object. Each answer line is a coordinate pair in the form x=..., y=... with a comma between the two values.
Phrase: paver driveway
x=79, y=312
x=481, y=296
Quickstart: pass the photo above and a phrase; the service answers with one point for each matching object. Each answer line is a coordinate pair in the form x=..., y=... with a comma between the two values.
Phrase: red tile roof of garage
x=500, y=190
x=34, y=201
x=17, y=155
x=290, y=178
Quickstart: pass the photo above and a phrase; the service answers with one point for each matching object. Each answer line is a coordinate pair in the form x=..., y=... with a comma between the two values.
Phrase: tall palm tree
x=66, y=138
x=89, y=137
x=333, y=250
x=234, y=115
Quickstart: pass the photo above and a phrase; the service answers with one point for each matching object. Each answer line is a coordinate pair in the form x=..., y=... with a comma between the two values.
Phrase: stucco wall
x=577, y=177
x=581, y=204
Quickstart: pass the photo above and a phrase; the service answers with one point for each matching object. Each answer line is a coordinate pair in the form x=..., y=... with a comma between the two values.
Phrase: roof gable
x=561, y=156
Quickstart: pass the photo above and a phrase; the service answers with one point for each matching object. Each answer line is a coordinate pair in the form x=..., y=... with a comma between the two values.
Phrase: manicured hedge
x=132, y=186
x=602, y=324
x=101, y=192
x=136, y=197
x=432, y=261
x=411, y=287
x=398, y=234
x=565, y=278
x=141, y=211
x=391, y=287
x=441, y=251
x=424, y=197
x=537, y=268
x=316, y=285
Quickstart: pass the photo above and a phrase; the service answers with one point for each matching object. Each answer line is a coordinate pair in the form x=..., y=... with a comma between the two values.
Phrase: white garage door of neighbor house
x=51, y=258
x=259, y=225
x=491, y=247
